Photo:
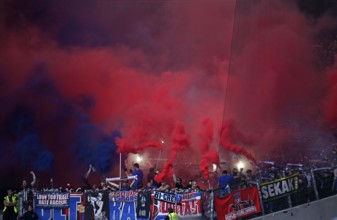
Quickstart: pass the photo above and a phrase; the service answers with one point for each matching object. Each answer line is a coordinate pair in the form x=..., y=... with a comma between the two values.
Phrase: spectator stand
x=269, y=191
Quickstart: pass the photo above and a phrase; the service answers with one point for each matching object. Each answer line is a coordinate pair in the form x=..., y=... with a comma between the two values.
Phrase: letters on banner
x=279, y=188
x=75, y=210
x=186, y=205
x=52, y=199
x=120, y=205
x=165, y=197
x=123, y=205
x=238, y=204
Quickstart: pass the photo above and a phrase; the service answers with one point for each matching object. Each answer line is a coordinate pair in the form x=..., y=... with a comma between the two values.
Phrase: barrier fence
x=243, y=203
x=115, y=205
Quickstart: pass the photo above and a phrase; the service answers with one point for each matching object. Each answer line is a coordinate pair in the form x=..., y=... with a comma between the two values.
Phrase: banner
x=97, y=206
x=165, y=197
x=186, y=205
x=279, y=188
x=52, y=200
x=123, y=196
x=144, y=202
x=75, y=211
x=238, y=204
x=123, y=205
x=120, y=205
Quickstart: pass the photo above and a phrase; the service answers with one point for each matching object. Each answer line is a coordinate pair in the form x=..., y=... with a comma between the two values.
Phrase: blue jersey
x=224, y=180
x=139, y=180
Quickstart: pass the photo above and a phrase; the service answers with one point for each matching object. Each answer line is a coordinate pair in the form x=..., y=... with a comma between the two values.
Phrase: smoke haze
x=189, y=77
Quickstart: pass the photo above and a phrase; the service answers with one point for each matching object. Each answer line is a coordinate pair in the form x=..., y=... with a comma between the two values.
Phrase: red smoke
x=206, y=139
x=155, y=70
x=211, y=157
x=206, y=135
x=331, y=100
x=124, y=146
x=180, y=141
x=167, y=171
x=229, y=138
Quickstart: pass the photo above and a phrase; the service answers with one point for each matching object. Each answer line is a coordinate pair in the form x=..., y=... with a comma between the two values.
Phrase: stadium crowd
x=316, y=180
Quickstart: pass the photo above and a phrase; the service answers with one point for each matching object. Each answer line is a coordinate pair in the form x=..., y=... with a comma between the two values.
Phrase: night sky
x=81, y=81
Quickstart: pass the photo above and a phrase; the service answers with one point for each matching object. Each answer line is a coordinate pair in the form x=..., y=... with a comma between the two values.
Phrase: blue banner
x=75, y=210
x=118, y=205
x=52, y=199
x=123, y=205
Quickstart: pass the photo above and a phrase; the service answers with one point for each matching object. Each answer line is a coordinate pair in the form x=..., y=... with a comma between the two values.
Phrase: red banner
x=238, y=204
x=187, y=205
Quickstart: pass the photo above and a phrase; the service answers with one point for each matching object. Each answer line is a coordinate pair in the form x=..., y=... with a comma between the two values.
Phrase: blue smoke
x=106, y=152
x=44, y=161
x=93, y=146
x=86, y=139
x=21, y=121
x=44, y=131
x=32, y=154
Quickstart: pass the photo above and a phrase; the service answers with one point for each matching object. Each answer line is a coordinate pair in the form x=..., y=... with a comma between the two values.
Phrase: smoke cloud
x=83, y=81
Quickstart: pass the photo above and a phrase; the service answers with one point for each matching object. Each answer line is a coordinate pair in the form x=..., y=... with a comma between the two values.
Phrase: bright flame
x=139, y=158
x=214, y=167
x=240, y=165
x=162, y=141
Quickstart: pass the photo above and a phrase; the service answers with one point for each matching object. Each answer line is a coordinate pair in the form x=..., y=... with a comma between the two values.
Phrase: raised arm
x=127, y=173
x=113, y=184
x=34, y=178
x=174, y=176
x=86, y=176
x=132, y=183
